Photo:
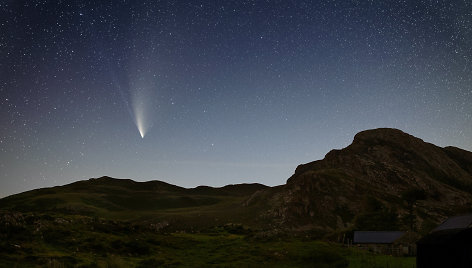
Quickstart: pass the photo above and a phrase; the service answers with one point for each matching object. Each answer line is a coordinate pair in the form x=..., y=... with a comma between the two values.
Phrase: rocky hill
x=386, y=179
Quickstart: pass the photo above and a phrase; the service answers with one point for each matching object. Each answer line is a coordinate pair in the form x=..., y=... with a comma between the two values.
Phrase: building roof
x=458, y=222
x=376, y=237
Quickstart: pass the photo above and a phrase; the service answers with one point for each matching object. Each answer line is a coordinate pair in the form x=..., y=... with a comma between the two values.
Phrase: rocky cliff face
x=385, y=165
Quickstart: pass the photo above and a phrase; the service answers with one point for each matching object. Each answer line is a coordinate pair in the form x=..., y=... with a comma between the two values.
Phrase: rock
x=383, y=164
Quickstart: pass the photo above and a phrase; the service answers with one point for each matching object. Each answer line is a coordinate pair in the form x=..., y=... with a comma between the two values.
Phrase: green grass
x=360, y=259
x=79, y=241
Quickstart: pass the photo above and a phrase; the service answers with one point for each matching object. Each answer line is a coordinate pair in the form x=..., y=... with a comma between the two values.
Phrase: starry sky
x=223, y=91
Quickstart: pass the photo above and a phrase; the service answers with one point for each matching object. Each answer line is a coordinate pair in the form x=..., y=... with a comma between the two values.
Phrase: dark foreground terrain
x=81, y=241
x=385, y=180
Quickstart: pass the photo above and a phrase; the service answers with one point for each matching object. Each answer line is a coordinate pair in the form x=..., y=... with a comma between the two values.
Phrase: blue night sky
x=223, y=91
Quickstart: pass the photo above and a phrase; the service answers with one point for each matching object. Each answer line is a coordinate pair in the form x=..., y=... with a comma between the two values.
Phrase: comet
x=141, y=104
x=137, y=85
x=139, y=120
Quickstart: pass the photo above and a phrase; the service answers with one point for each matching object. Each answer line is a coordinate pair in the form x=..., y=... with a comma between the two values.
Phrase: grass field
x=78, y=241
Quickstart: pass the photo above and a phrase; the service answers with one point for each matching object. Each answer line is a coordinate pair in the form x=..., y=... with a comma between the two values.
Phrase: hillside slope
x=386, y=179
x=125, y=199
x=385, y=175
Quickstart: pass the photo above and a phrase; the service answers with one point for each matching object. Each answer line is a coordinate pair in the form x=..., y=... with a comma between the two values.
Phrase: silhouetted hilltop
x=396, y=173
x=386, y=179
x=130, y=200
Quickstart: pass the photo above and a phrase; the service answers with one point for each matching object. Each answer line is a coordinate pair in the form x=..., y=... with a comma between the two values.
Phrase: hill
x=125, y=199
x=386, y=179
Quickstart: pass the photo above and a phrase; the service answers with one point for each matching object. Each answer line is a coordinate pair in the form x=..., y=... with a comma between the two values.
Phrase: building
x=448, y=245
x=383, y=242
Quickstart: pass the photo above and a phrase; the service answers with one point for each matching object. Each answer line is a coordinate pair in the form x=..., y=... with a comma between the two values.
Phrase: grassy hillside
x=137, y=201
x=32, y=240
x=109, y=222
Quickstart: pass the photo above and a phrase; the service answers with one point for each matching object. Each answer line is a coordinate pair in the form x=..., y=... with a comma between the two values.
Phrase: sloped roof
x=376, y=237
x=458, y=222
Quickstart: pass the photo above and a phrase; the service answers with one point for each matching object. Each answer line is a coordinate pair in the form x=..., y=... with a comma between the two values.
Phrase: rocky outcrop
x=10, y=219
x=383, y=164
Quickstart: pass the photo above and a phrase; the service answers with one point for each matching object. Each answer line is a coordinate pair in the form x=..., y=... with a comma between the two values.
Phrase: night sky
x=223, y=91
